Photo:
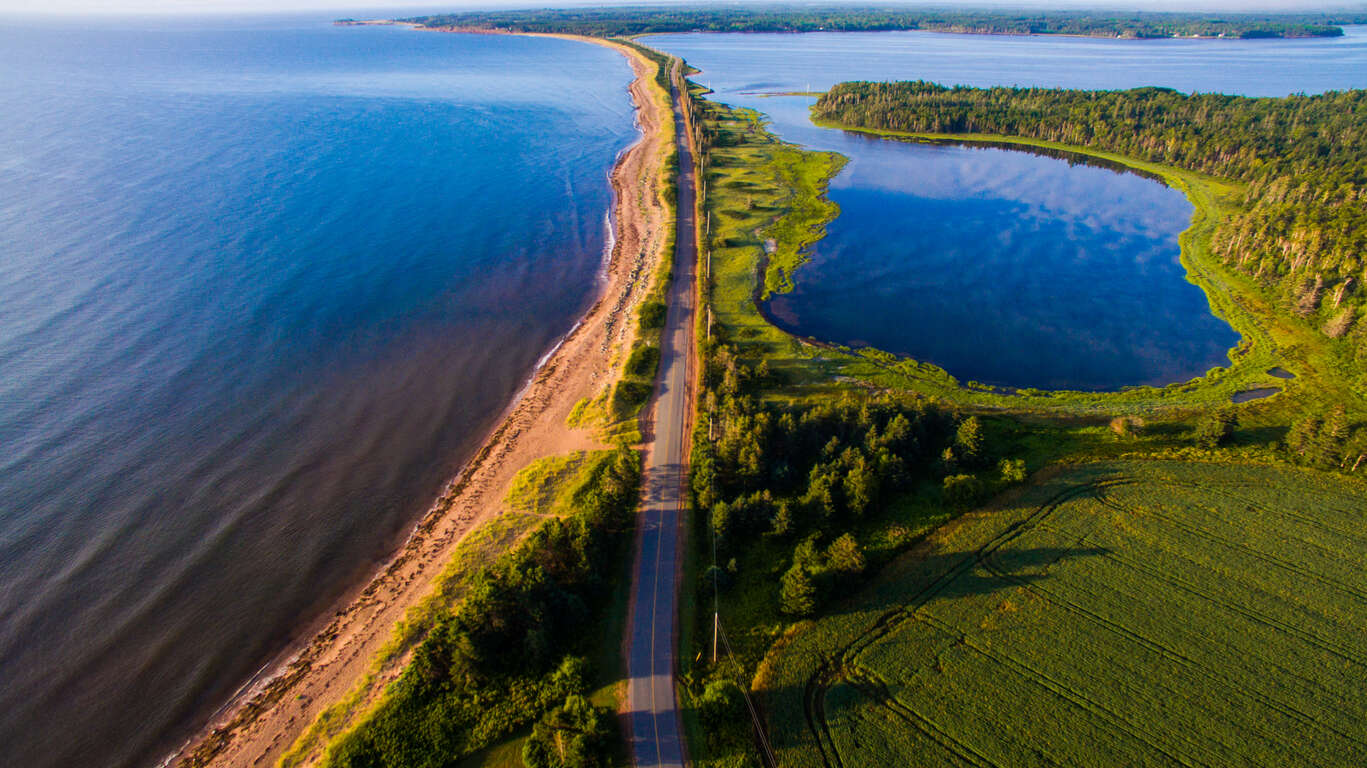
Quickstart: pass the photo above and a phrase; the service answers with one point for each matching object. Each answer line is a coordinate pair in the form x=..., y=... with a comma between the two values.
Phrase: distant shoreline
x=475, y=30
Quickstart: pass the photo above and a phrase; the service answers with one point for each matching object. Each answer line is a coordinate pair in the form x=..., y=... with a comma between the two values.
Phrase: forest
x=1302, y=231
x=640, y=20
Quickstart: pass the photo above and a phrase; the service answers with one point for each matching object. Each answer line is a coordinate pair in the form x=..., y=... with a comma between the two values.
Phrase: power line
x=749, y=703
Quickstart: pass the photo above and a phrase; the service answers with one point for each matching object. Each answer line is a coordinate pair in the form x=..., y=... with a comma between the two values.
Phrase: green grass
x=760, y=189
x=1115, y=613
x=549, y=485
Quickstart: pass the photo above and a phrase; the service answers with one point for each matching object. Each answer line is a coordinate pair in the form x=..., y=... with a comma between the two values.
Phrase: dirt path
x=264, y=721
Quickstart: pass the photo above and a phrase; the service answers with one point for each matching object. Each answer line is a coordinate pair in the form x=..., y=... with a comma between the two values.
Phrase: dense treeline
x=807, y=475
x=505, y=656
x=1303, y=229
x=627, y=20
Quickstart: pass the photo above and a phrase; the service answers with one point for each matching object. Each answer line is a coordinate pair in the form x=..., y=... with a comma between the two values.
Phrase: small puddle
x=1281, y=373
x=1254, y=394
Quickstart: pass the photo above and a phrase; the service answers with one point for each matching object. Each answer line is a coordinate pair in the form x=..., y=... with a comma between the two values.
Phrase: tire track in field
x=842, y=665
x=1087, y=704
x=1309, y=637
x=1179, y=658
x=1227, y=492
x=1259, y=617
x=833, y=668
x=1313, y=522
x=875, y=688
x=1256, y=554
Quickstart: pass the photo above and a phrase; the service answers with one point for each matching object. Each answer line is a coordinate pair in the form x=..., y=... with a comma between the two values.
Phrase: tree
x=1215, y=429
x=783, y=523
x=861, y=487
x=968, y=439
x=797, y=594
x=845, y=556
x=1012, y=470
x=576, y=734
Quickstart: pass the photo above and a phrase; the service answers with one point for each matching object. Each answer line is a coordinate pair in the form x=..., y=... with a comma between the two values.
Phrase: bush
x=962, y=490
x=643, y=362
x=1013, y=470
x=652, y=315
x=628, y=397
x=720, y=704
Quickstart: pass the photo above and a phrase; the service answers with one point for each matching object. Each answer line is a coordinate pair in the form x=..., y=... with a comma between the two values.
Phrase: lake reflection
x=1000, y=266
x=1008, y=268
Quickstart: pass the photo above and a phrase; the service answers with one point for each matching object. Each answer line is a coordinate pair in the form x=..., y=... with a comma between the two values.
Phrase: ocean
x=265, y=284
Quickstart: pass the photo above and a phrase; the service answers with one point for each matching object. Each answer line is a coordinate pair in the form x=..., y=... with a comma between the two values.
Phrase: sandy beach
x=335, y=660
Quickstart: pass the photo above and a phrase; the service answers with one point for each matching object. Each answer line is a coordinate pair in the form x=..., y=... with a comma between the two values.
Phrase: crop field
x=1114, y=613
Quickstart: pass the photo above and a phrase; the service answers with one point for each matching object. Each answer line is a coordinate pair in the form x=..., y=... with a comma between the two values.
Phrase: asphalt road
x=652, y=705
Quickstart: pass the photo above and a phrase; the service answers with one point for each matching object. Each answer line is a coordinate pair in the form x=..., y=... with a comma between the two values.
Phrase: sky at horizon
x=379, y=8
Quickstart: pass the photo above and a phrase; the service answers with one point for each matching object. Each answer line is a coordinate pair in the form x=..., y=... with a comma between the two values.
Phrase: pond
x=1003, y=266
x=1008, y=268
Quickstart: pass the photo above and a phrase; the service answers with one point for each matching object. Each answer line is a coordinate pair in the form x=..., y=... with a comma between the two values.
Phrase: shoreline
x=334, y=651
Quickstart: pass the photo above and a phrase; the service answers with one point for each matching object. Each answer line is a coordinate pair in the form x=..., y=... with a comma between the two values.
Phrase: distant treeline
x=1303, y=229
x=637, y=20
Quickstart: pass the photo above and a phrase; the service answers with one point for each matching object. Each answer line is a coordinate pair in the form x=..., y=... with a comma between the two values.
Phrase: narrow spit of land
x=652, y=627
x=336, y=655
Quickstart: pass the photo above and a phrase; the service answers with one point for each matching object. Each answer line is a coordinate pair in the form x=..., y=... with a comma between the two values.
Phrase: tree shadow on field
x=956, y=574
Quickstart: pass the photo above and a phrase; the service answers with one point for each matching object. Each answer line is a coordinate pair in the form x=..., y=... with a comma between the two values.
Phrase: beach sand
x=263, y=721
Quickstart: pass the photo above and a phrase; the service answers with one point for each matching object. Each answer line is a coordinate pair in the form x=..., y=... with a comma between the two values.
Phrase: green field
x=1115, y=613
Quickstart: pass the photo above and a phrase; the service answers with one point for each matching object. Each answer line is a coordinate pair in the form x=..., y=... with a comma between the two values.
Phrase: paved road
x=651, y=702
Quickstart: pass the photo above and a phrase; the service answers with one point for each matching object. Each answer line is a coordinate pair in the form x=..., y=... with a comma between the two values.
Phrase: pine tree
x=845, y=556
x=797, y=594
x=969, y=440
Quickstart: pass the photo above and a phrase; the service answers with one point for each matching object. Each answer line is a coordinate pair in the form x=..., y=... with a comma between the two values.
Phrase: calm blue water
x=1002, y=266
x=263, y=286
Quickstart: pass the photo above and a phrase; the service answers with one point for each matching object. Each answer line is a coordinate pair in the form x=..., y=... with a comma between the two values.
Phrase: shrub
x=643, y=361
x=720, y=704
x=962, y=490
x=652, y=315
x=1013, y=470
x=628, y=397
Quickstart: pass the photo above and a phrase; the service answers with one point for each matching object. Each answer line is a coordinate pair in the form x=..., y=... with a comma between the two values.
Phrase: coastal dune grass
x=1117, y=613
